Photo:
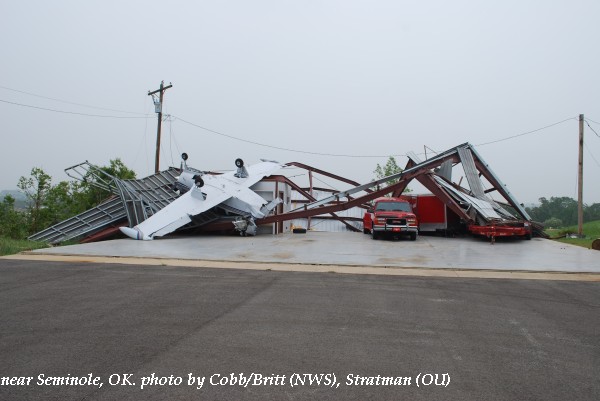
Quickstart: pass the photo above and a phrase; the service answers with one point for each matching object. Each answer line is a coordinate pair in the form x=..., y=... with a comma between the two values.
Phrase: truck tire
x=413, y=236
x=374, y=234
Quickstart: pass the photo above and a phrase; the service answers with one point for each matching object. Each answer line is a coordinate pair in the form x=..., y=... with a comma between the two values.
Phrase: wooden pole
x=310, y=191
x=580, y=181
x=162, y=90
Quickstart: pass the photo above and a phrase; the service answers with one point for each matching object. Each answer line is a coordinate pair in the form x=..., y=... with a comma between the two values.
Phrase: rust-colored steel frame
x=305, y=212
x=311, y=169
x=310, y=199
x=284, y=179
x=322, y=172
x=321, y=208
x=495, y=181
x=428, y=182
x=422, y=172
x=483, y=170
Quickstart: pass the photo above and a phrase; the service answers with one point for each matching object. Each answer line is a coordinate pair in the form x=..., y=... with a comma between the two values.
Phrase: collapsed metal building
x=134, y=201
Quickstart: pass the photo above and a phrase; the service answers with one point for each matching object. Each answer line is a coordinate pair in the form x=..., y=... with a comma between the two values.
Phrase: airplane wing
x=217, y=188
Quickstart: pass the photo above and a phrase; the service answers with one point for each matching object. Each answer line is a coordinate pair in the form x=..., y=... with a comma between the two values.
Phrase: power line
x=323, y=182
x=70, y=112
x=172, y=138
x=143, y=146
x=526, y=133
x=68, y=102
x=589, y=119
x=593, y=130
x=146, y=116
x=591, y=154
x=357, y=156
x=278, y=147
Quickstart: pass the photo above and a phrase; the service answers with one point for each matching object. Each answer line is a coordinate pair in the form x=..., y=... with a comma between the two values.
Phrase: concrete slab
x=352, y=249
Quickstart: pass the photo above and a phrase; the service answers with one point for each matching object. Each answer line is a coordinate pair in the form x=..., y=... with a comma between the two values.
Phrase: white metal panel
x=485, y=208
x=326, y=225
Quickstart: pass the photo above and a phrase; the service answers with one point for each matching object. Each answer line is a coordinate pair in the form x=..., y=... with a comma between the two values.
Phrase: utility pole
x=580, y=181
x=158, y=109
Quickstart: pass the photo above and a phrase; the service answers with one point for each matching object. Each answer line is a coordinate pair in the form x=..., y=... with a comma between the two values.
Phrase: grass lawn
x=591, y=230
x=12, y=246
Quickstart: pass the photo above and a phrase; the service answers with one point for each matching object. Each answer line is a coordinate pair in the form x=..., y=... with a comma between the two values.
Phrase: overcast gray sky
x=358, y=78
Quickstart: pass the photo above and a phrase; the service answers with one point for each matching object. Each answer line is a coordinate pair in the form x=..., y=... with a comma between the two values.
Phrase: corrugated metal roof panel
x=485, y=208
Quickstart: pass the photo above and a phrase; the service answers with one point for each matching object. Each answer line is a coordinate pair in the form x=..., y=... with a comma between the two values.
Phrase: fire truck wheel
x=413, y=236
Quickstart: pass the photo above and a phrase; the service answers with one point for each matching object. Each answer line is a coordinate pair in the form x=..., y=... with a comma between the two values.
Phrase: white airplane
x=201, y=192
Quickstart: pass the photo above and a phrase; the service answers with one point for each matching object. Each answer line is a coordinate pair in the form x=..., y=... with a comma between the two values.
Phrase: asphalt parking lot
x=274, y=316
x=490, y=339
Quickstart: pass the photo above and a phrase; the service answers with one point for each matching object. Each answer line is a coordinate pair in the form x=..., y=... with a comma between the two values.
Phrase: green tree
x=553, y=222
x=118, y=169
x=592, y=212
x=50, y=204
x=562, y=208
x=36, y=190
x=12, y=222
x=61, y=202
x=88, y=195
x=389, y=168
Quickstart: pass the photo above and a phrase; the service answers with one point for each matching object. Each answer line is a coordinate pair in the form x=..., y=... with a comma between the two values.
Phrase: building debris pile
x=134, y=201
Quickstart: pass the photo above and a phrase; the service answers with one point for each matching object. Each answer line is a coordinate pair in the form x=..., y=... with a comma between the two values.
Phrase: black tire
x=198, y=181
x=374, y=234
x=365, y=231
x=239, y=163
x=413, y=236
x=184, y=156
